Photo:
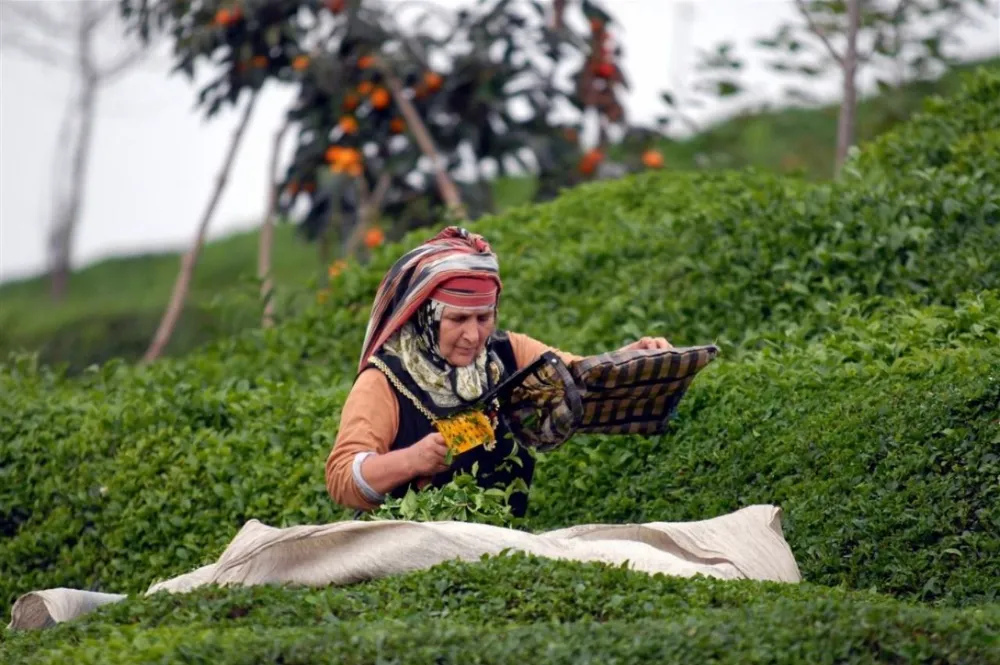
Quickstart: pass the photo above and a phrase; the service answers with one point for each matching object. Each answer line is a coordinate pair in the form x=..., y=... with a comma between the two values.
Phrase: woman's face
x=463, y=335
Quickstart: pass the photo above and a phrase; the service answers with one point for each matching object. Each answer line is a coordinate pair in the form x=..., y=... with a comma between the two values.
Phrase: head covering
x=417, y=277
x=471, y=293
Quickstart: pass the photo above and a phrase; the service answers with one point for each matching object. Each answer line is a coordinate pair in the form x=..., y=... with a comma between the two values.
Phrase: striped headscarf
x=454, y=252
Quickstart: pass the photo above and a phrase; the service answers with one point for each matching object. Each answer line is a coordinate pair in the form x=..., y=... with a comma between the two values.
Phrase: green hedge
x=859, y=389
x=555, y=612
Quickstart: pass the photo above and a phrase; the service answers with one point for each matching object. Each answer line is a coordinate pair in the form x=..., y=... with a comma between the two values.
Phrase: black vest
x=492, y=470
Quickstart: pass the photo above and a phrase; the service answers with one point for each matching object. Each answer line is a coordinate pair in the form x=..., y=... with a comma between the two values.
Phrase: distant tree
x=908, y=38
x=68, y=38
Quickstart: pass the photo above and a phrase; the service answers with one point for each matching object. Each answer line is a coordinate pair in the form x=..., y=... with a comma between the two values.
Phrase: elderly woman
x=432, y=344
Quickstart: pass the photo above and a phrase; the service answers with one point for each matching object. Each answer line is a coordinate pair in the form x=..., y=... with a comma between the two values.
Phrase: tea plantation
x=859, y=389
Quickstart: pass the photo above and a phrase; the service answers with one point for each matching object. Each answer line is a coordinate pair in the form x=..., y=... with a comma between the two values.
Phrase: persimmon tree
x=402, y=122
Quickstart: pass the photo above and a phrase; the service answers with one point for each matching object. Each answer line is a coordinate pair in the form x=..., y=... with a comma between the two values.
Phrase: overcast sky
x=155, y=159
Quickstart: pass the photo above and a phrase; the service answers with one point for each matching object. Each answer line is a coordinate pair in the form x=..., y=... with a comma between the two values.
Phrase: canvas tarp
x=745, y=544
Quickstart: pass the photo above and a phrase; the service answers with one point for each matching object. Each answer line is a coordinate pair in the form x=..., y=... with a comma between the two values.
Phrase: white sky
x=155, y=159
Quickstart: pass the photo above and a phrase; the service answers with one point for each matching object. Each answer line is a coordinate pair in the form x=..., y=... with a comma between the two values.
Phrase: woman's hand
x=648, y=343
x=427, y=456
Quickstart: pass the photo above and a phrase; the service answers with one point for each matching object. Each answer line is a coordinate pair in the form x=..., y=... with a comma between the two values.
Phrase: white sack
x=746, y=544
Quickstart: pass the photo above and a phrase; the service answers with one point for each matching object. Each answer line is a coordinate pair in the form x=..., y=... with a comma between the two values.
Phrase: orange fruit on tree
x=300, y=62
x=366, y=62
x=605, y=70
x=348, y=124
x=336, y=6
x=259, y=61
x=433, y=81
x=380, y=98
x=365, y=87
x=397, y=126
x=335, y=153
x=374, y=238
x=653, y=159
x=590, y=161
x=223, y=17
x=355, y=169
x=351, y=102
x=596, y=25
x=343, y=159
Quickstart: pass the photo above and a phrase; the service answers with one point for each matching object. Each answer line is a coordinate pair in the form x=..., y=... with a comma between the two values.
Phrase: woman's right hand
x=428, y=455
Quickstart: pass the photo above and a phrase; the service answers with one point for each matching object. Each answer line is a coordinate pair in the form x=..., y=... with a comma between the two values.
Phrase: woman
x=431, y=346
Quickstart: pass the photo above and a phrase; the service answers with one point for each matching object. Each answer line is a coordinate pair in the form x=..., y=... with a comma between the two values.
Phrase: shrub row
x=859, y=389
x=578, y=613
x=879, y=451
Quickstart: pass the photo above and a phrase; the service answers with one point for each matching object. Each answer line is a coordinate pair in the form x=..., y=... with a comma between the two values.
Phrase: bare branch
x=381, y=190
x=818, y=31
x=94, y=15
x=266, y=240
x=449, y=193
x=35, y=15
x=43, y=53
x=190, y=258
x=127, y=60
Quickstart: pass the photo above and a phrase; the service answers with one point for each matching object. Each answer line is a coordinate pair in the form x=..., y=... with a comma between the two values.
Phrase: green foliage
x=554, y=611
x=462, y=500
x=113, y=307
x=859, y=389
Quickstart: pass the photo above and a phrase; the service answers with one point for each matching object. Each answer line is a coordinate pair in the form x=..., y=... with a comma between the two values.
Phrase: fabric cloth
x=745, y=544
x=417, y=345
x=470, y=293
x=454, y=252
x=369, y=421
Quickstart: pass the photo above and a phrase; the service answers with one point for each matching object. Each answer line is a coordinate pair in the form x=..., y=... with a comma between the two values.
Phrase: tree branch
x=190, y=258
x=423, y=138
x=32, y=13
x=127, y=60
x=267, y=230
x=44, y=54
x=816, y=30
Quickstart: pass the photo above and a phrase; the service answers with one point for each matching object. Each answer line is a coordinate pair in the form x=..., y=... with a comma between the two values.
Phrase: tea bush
x=554, y=611
x=859, y=389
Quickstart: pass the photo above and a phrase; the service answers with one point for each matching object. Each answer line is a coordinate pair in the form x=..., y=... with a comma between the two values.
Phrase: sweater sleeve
x=368, y=424
x=527, y=350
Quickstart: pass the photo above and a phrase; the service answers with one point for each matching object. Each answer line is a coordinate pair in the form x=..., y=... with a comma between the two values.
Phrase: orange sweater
x=370, y=420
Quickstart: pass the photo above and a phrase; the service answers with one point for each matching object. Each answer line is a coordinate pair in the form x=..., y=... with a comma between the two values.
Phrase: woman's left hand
x=648, y=343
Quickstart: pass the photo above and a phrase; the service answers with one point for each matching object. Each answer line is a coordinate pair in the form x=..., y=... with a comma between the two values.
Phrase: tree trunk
x=323, y=253
x=267, y=232
x=849, y=104
x=369, y=209
x=558, y=10
x=61, y=240
x=423, y=138
x=173, y=312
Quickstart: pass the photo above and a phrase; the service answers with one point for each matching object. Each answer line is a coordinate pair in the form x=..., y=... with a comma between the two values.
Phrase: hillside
x=858, y=389
x=115, y=305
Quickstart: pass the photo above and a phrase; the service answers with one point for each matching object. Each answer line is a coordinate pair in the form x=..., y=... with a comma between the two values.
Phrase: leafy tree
x=381, y=129
x=904, y=38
